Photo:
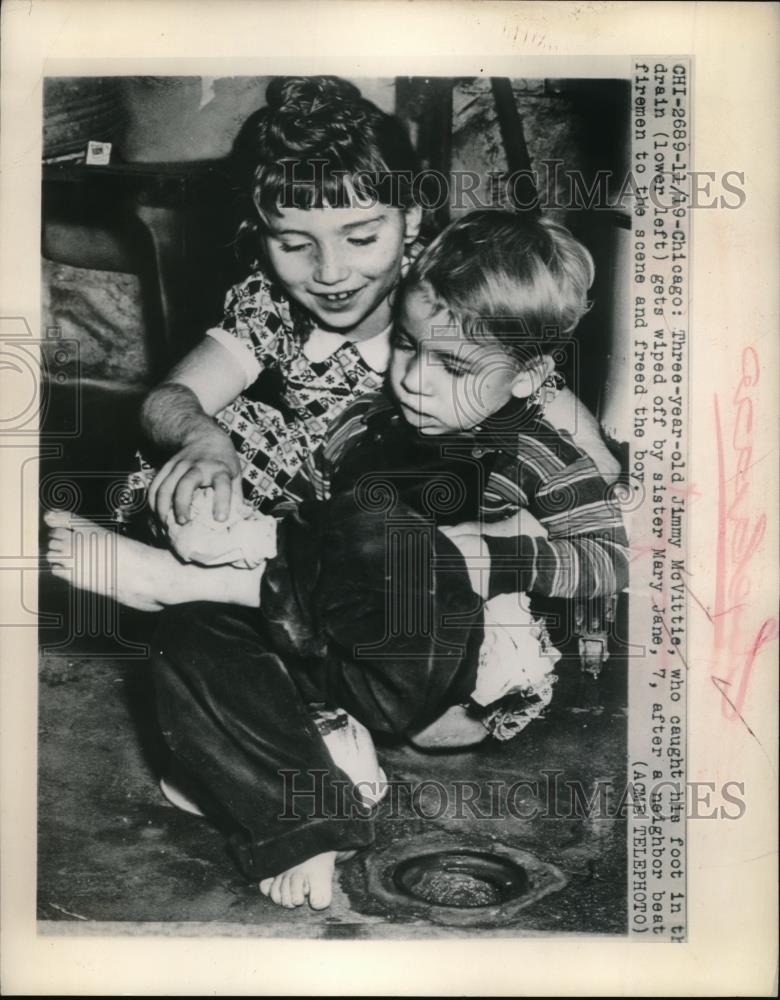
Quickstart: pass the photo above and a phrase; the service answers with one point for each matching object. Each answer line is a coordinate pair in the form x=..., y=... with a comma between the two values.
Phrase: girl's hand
x=521, y=523
x=468, y=537
x=567, y=413
x=475, y=554
x=208, y=459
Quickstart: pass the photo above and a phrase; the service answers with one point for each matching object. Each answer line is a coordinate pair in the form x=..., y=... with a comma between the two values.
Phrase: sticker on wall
x=98, y=154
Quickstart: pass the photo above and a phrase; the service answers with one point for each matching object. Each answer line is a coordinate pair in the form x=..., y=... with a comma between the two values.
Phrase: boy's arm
x=585, y=553
x=592, y=565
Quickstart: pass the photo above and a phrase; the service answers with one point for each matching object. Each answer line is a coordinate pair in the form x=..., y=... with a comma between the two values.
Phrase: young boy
x=449, y=489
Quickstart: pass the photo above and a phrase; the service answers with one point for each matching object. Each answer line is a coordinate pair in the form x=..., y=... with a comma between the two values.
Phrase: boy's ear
x=412, y=223
x=531, y=378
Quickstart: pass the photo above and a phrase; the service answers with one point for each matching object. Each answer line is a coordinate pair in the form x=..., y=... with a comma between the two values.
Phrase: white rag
x=516, y=659
x=244, y=540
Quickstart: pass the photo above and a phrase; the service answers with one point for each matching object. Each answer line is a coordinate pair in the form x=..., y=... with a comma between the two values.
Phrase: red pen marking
x=721, y=685
x=766, y=633
x=687, y=492
x=739, y=537
x=706, y=612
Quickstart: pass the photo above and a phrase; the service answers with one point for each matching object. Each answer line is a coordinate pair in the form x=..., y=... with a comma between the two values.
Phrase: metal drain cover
x=459, y=881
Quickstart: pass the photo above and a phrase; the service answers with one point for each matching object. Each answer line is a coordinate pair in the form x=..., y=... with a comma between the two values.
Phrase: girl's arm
x=522, y=522
x=567, y=413
x=177, y=416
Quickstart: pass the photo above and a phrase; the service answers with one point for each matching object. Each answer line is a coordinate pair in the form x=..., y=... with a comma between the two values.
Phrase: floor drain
x=461, y=878
x=457, y=881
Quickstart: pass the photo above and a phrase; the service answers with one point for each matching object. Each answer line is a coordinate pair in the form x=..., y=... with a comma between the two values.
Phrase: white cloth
x=244, y=540
x=516, y=658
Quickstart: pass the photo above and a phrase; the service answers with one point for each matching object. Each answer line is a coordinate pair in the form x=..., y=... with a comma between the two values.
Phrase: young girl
x=335, y=225
x=332, y=240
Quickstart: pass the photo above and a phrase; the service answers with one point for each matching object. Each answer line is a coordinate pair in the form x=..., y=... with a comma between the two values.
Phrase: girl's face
x=341, y=263
x=444, y=382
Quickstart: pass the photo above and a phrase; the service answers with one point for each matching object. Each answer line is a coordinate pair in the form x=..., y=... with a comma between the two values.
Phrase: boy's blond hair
x=507, y=277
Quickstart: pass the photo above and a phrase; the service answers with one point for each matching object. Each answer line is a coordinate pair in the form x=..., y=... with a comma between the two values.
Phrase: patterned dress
x=318, y=375
x=311, y=375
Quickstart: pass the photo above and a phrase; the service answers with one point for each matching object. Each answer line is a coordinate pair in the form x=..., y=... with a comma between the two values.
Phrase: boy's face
x=444, y=382
x=340, y=263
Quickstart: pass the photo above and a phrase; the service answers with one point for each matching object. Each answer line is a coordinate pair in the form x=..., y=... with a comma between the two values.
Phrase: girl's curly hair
x=317, y=141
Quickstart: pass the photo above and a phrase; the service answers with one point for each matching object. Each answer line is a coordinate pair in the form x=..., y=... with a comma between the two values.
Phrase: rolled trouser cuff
x=267, y=858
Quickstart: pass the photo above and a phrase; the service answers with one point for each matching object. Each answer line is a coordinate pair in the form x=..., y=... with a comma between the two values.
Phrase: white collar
x=321, y=344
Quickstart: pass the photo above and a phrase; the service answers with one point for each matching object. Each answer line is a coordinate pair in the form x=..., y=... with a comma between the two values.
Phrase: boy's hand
x=206, y=460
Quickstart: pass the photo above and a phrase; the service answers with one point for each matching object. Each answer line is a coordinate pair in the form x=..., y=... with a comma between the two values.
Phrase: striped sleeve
x=322, y=465
x=586, y=551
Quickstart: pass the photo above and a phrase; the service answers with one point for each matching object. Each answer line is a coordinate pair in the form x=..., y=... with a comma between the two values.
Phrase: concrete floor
x=113, y=855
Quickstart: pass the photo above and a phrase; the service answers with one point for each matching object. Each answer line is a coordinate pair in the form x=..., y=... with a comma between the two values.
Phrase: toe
x=297, y=894
x=58, y=518
x=59, y=538
x=276, y=890
x=285, y=892
x=265, y=886
x=320, y=897
x=320, y=890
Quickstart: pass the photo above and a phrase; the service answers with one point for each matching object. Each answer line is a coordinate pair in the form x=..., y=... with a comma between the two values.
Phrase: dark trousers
x=368, y=611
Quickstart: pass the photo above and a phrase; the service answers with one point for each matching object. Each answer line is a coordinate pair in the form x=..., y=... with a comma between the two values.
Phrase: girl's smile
x=341, y=264
x=339, y=301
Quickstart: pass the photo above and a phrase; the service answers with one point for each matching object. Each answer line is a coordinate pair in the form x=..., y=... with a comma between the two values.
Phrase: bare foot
x=312, y=879
x=92, y=558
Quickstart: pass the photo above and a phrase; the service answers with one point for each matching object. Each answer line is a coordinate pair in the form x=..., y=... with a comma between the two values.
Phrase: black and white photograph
x=391, y=538
x=338, y=545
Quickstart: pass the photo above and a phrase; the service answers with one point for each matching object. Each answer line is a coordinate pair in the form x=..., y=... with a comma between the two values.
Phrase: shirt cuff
x=241, y=352
x=511, y=563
